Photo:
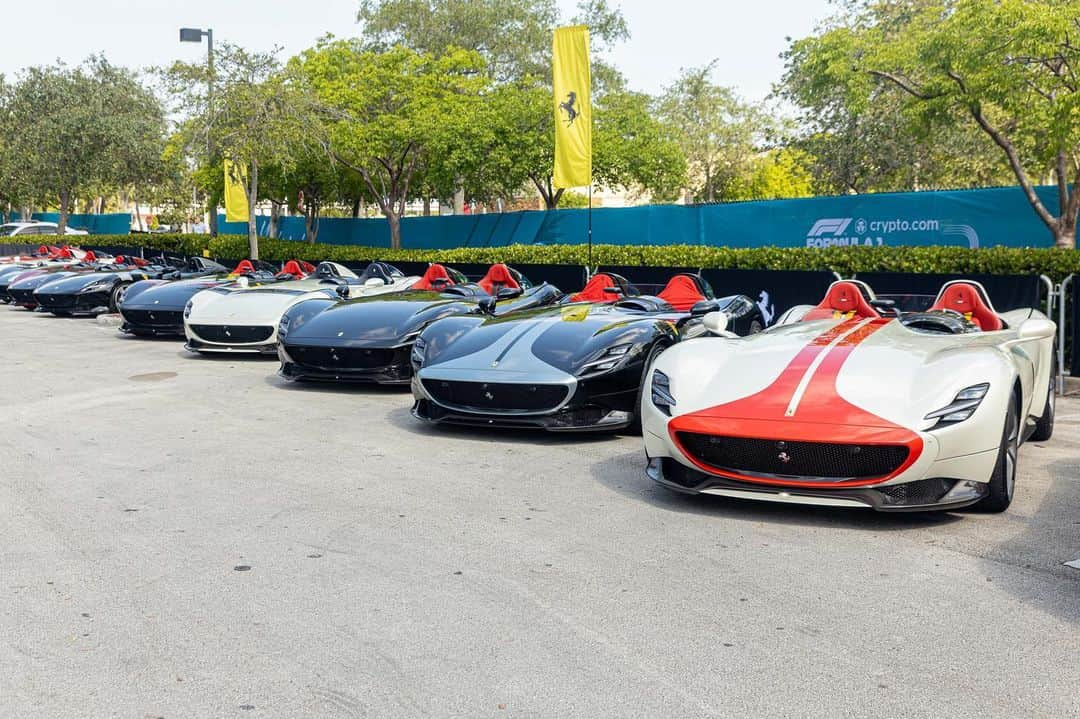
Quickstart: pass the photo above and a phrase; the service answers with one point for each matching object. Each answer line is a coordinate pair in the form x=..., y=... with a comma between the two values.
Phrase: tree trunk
x=275, y=217
x=65, y=209
x=311, y=222
x=427, y=206
x=356, y=208
x=395, y=227
x=253, y=194
x=459, y=199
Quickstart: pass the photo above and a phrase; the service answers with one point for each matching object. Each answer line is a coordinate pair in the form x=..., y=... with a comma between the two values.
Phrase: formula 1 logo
x=829, y=225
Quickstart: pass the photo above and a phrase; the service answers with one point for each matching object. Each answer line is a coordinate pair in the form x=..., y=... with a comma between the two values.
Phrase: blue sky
x=746, y=37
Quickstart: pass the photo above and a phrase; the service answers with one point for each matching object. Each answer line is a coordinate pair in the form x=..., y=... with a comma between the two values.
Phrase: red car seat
x=435, y=278
x=244, y=266
x=306, y=267
x=844, y=299
x=292, y=267
x=681, y=292
x=498, y=277
x=970, y=300
x=594, y=290
x=88, y=257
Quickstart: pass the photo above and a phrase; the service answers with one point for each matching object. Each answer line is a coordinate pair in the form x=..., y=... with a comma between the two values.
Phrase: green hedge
x=845, y=260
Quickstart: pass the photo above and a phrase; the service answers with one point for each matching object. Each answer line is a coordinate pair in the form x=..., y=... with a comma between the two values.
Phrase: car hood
x=373, y=321
x=168, y=295
x=37, y=280
x=261, y=305
x=75, y=282
x=562, y=337
x=896, y=374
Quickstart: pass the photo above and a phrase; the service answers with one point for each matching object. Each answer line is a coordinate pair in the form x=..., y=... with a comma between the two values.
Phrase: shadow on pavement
x=402, y=418
x=625, y=475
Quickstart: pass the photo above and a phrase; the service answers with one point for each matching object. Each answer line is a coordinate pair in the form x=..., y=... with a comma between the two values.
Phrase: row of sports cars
x=893, y=403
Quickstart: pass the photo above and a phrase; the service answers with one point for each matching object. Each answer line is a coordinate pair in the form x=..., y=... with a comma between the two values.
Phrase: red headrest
x=497, y=277
x=61, y=253
x=244, y=266
x=682, y=293
x=292, y=267
x=307, y=267
x=844, y=299
x=967, y=299
x=118, y=260
x=88, y=257
x=594, y=290
x=43, y=250
x=435, y=278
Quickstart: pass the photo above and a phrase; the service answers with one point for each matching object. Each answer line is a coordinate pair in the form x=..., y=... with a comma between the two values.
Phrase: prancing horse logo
x=571, y=111
x=784, y=457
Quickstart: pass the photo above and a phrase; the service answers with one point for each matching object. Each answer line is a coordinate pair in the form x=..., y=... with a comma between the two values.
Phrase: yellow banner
x=573, y=107
x=236, y=204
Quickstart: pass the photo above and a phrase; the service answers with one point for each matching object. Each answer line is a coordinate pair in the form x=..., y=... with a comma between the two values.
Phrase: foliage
x=1004, y=67
x=257, y=116
x=719, y=134
x=79, y=130
x=1055, y=263
x=388, y=114
x=774, y=175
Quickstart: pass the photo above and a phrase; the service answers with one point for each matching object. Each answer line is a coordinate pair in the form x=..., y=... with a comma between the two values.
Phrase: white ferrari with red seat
x=853, y=403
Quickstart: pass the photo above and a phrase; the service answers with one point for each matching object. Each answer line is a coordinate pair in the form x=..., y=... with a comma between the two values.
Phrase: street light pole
x=189, y=34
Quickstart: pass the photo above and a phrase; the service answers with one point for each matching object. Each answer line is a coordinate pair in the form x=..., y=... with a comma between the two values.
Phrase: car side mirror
x=1036, y=329
x=716, y=323
x=487, y=305
x=343, y=291
x=508, y=293
x=704, y=307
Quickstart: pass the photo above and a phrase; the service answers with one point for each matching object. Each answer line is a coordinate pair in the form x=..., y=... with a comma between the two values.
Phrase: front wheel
x=117, y=296
x=1002, y=483
x=635, y=425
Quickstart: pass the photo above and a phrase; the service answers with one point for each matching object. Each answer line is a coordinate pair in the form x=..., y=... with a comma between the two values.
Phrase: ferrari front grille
x=154, y=318
x=22, y=297
x=495, y=396
x=56, y=302
x=346, y=358
x=233, y=334
x=811, y=461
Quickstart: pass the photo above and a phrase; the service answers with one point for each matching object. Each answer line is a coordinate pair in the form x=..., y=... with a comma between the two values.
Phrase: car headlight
x=283, y=327
x=417, y=353
x=187, y=308
x=962, y=407
x=607, y=360
x=97, y=286
x=661, y=392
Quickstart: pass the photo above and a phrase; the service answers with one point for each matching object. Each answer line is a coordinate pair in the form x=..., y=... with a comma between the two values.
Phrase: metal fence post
x=1062, y=290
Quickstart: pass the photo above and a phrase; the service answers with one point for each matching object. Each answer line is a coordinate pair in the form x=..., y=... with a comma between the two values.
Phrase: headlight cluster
x=661, y=392
x=187, y=308
x=962, y=407
x=96, y=286
x=607, y=360
x=418, y=349
x=283, y=327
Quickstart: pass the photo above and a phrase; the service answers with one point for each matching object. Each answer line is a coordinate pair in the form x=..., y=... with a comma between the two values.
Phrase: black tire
x=117, y=295
x=635, y=423
x=1002, y=485
x=1044, y=426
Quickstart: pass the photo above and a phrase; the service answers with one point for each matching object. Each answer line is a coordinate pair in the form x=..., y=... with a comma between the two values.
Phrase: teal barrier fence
x=969, y=218
x=112, y=224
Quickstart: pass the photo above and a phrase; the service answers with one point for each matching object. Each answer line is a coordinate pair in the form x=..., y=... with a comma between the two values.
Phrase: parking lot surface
x=191, y=537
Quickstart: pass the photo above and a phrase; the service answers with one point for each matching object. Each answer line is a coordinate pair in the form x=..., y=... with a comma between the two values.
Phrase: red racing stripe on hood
x=818, y=414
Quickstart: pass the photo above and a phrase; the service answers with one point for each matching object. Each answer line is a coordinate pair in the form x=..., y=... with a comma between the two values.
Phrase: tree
x=863, y=137
x=513, y=36
x=774, y=175
x=718, y=133
x=82, y=129
x=259, y=116
x=387, y=112
x=1006, y=67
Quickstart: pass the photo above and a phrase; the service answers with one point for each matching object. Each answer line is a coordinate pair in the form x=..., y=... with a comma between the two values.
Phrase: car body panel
x=848, y=382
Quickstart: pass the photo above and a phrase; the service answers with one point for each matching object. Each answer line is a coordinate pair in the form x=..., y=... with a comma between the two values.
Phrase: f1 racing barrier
x=967, y=218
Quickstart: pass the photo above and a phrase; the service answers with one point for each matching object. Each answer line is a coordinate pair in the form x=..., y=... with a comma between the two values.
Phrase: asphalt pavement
x=192, y=537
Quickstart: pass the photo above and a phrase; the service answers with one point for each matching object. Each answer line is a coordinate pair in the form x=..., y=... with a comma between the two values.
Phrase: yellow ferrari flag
x=573, y=107
x=236, y=204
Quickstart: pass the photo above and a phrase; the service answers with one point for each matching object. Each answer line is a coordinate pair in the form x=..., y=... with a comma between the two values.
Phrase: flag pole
x=590, y=227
